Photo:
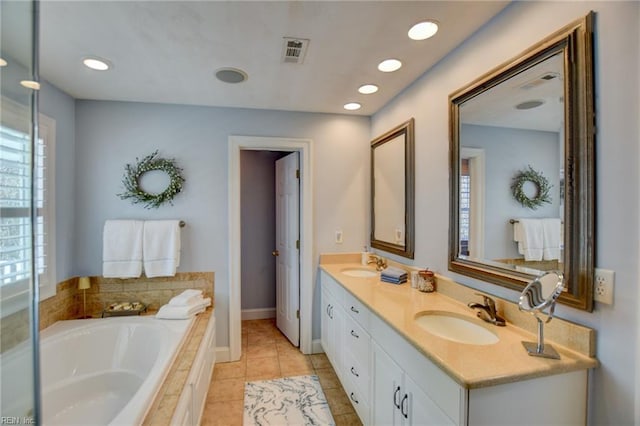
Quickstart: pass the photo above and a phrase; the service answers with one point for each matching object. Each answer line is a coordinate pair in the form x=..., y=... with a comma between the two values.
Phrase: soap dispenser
x=365, y=256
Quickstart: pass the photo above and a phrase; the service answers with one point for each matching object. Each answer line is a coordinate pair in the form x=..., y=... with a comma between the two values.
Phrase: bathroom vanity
x=396, y=372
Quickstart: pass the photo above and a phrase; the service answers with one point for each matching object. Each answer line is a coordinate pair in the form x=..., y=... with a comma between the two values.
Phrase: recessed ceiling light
x=423, y=30
x=367, y=89
x=3, y=63
x=96, y=64
x=231, y=75
x=529, y=104
x=352, y=106
x=30, y=84
x=389, y=65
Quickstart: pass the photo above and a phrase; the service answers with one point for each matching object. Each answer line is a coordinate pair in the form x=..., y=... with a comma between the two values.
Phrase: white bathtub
x=105, y=371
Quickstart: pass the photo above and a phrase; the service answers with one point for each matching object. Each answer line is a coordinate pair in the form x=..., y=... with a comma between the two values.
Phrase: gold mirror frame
x=576, y=44
x=405, y=129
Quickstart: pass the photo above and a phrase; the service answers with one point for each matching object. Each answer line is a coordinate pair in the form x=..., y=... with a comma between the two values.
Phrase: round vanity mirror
x=539, y=299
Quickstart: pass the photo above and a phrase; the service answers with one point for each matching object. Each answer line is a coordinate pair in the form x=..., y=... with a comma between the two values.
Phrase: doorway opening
x=270, y=234
x=302, y=147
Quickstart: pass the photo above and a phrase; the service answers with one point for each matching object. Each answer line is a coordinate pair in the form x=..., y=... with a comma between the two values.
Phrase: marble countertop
x=472, y=366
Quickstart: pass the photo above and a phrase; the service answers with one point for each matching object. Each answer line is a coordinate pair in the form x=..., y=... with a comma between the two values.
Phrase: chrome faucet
x=378, y=260
x=488, y=312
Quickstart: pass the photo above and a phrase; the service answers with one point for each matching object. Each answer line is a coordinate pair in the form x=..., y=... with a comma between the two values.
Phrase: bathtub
x=105, y=371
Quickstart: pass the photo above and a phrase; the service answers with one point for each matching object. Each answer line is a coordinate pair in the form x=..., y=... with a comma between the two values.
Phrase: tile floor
x=267, y=354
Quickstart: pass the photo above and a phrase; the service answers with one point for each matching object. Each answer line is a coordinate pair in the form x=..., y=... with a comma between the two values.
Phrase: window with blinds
x=15, y=209
x=465, y=205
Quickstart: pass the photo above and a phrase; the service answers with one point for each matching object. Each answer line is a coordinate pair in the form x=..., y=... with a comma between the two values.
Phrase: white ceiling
x=168, y=51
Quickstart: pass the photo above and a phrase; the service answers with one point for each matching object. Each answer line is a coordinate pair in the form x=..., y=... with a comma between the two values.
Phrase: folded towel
x=551, y=238
x=182, y=312
x=186, y=298
x=393, y=280
x=122, y=248
x=528, y=234
x=392, y=272
x=161, y=247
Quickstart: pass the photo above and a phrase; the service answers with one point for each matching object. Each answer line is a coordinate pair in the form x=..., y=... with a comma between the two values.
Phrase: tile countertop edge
x=470, y=379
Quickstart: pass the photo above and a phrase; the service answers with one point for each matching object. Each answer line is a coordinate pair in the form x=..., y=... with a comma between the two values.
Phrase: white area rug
x=287, y=401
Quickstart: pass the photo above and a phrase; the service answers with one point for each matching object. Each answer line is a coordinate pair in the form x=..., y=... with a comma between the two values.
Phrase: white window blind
x=15, y=209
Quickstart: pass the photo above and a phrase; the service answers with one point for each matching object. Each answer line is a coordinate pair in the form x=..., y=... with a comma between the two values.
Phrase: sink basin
x=359, y=272
x=455, y=328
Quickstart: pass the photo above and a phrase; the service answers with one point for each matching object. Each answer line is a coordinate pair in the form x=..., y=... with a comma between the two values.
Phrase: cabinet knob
x=353, y=398
x=354, y=334
x=276, y=253
x=354, y=372
x=355, y=310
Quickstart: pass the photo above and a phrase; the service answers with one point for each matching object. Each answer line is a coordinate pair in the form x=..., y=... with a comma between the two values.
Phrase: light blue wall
x=112, y=134
x=614, y=387
x=508, y=151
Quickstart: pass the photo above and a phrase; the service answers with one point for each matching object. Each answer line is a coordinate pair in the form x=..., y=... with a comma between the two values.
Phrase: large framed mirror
x=522, y=168
x=392, y=191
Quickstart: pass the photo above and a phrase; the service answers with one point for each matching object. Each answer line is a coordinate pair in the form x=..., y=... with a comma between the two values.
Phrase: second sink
x=455, y=328
x=359, y=272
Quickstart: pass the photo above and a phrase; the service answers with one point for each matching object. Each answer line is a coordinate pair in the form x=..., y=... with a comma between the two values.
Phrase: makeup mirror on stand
x=539, y=299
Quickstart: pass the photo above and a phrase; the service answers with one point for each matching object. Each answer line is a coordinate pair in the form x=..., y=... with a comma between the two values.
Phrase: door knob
x=275, y=253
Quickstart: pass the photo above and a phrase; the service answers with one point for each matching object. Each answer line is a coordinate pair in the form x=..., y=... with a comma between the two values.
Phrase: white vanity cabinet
x=391, y=382
x=397, y=399
x=331, y=323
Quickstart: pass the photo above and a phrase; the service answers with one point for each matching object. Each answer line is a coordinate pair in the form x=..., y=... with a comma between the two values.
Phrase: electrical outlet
x=338, y=236
x=603, y=286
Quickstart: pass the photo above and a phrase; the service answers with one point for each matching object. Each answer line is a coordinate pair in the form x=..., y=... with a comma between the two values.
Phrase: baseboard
x=223, y=354
x=316, y=347
x=262, y=313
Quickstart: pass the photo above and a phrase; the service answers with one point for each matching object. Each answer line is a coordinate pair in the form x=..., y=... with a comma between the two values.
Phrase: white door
x=287, y=251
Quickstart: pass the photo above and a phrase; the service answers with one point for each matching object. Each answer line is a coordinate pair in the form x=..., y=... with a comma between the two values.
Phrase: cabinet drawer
x=357, y=341
x=359, y=400
x=356, y=309
x=357, y=371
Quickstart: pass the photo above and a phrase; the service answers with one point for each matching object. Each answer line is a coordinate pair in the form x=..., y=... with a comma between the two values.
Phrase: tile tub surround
x=161, y=411
x=470, y=366
x=154, y=292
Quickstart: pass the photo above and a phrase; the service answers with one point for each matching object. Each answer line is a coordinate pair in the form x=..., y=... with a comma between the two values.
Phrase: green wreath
x=133, y=173
x=542, y=188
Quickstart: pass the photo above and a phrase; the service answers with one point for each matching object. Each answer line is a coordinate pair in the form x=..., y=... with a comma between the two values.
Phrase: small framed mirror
x=392, y=191
x=522, y=168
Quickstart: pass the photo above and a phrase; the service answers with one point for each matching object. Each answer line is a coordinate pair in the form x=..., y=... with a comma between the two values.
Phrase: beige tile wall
x=68, y=301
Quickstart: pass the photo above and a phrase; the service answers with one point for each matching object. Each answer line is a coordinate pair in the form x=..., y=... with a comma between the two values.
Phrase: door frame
x=259, y=143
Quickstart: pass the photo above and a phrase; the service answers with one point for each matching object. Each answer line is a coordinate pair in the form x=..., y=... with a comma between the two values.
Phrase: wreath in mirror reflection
x=539, y=181
x=133, y=174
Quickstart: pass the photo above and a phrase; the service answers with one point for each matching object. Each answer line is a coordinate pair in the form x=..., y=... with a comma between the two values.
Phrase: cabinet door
x=418, y=409
x=387, y=389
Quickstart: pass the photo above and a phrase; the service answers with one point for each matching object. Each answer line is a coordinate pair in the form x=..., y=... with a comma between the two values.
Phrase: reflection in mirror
x=507, y=128
x=392, y=191
x=522, y=168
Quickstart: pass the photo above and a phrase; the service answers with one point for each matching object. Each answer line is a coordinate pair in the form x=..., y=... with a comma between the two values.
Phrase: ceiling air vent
x=540, y=80
x=294, y=50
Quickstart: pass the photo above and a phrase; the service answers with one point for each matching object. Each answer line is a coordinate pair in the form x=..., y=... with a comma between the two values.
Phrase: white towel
x=161, y=248
x=122, y=248
x=551, y=238
x=187, y=297
x=528, y=234
x=182, y=312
